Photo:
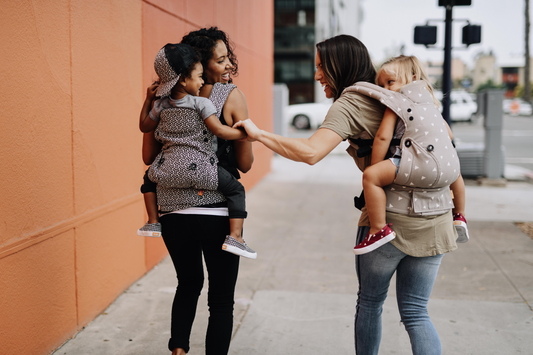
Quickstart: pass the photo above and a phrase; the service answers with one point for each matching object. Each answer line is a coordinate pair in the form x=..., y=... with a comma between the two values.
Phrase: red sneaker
x=459, y=221
x=374, y=241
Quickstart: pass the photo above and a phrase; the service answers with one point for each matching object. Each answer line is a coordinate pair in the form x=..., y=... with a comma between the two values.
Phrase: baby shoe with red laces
x=374, y=241
x=459, y=221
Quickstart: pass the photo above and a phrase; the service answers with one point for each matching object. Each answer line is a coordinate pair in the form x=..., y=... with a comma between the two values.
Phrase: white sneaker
x=459, y=221
x=235, y=247
x=150, y=230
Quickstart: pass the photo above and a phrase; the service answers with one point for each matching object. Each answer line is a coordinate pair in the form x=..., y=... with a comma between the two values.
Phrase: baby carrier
x=429, y=162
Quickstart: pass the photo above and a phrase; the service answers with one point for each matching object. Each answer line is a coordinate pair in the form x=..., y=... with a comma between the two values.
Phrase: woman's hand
x=251, y=129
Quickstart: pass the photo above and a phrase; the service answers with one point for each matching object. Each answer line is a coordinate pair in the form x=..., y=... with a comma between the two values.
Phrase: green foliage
x=519, y=91
x=489, y=84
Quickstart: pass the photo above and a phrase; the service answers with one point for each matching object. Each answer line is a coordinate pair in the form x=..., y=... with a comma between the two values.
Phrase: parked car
x=307, y=116
x=515, y=107
x=462, y=105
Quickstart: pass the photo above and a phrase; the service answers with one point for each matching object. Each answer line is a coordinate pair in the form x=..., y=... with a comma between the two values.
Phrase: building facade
x=294, y=43
x=299, y=25
x=485, y=69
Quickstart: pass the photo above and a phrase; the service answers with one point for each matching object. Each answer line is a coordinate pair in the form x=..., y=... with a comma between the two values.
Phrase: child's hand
x=150, y=92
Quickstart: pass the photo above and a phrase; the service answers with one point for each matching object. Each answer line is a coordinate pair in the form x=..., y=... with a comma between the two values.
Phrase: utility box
x=486, y=159
x=472, y=159
x=493, y=124
x=480, y=100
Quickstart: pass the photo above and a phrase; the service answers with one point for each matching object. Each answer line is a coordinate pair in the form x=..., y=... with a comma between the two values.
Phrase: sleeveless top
x=172, y=198
x=225, y=149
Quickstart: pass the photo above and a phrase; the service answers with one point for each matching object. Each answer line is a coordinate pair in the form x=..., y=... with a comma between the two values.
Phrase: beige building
x=485, y=69
x=434, y=71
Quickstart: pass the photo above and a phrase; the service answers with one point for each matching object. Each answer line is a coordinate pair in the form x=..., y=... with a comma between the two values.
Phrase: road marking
x=517, y=133
x=519, y=160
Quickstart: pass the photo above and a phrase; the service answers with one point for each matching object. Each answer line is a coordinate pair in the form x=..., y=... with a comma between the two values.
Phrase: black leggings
x=186, y=237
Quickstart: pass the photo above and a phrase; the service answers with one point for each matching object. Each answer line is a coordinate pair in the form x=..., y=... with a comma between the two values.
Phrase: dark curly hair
x=204, y=41
x=186, y=73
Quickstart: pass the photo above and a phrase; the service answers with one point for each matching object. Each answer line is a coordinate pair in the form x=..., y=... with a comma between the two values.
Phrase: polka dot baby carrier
x=429, y=162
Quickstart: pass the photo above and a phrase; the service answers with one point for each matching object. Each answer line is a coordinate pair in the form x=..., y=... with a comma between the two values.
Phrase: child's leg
x=149, y=191
x=235, y=228
x=459, y=220
x=150, y=202
x=375, y=178
x=235, y=195
x=152, y=228
x=458, y=189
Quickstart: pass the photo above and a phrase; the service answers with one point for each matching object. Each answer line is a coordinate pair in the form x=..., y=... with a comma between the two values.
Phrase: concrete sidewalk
x=299, y=296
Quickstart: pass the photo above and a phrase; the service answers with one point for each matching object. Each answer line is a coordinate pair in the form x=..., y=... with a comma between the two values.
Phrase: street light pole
x=447, y=66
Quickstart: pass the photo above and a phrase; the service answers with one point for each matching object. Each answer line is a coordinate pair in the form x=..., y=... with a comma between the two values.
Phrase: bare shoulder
x=236, y=98
x=235, y=106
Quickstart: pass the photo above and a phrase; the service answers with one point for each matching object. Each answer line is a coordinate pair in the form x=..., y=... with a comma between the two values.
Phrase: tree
x=519, y=91
x=489, y=84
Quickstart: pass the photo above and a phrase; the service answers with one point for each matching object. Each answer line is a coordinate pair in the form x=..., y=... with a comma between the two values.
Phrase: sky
x=387, y=24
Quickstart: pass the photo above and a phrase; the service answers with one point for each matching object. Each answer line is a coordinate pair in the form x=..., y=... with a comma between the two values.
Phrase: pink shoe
x=374, y=241
x=459, y=221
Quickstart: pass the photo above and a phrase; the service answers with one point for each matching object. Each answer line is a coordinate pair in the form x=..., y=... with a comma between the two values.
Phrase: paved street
x=299, y=296
x=517, y=138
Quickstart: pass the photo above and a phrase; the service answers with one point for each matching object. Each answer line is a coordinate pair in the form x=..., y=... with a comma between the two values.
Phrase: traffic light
x=471, y=34
x=425, y=35
x=455, y=2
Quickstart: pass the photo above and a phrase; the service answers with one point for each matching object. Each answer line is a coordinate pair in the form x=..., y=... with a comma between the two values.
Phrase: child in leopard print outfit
x=185, y=124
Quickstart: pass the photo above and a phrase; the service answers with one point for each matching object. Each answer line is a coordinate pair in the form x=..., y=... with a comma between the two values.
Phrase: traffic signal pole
x=447, y=66
x=427, y=35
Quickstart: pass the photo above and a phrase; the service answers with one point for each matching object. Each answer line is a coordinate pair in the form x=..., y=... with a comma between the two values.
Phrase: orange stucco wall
x=73, y=75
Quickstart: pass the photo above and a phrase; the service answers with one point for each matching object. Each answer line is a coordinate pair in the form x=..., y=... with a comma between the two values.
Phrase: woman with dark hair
x=195, y=222
x=421, y=241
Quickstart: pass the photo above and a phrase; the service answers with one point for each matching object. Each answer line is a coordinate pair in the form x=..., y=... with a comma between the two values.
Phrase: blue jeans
x=414, y=281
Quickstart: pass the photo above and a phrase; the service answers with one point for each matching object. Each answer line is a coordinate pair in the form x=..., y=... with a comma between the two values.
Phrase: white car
x=462, y=106
x=515, y=107
x=307, y=116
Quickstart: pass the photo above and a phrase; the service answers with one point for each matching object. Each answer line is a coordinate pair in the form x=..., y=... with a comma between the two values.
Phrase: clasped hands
x=253, y=132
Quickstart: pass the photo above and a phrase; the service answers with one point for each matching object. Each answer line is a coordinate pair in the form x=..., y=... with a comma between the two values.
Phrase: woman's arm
x=151, y=147
x=236, y=110
x=383, y=136
x=308, y=150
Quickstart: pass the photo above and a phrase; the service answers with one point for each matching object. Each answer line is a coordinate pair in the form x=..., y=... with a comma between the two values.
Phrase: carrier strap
x=365, y=145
